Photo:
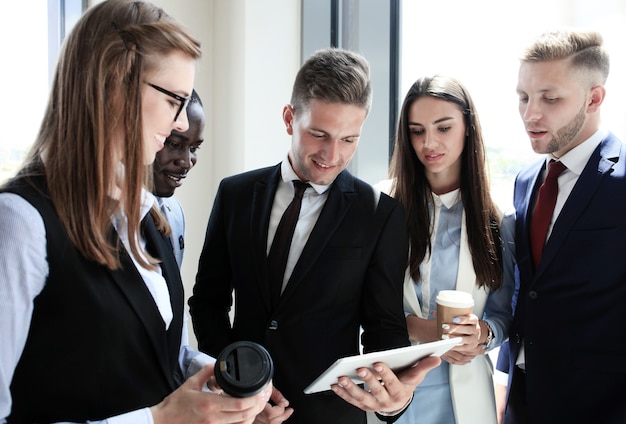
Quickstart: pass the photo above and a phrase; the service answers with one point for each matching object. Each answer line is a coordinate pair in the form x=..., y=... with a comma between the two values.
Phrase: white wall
x=251, y=53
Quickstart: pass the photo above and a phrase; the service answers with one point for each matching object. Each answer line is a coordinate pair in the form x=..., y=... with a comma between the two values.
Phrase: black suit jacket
x=350, y=274
x=570, y=312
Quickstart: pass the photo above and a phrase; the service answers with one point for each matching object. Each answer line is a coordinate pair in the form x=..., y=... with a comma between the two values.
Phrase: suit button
x=273, y=325
x=533, y=294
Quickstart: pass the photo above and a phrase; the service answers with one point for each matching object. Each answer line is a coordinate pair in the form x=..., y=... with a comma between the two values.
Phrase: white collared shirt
x=154, y=280
x=313, y=201
x=575, y=160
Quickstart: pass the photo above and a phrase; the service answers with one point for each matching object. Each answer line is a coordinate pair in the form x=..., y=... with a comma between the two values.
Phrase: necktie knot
x=544, y=209
x=299, y=188
x=555, y=169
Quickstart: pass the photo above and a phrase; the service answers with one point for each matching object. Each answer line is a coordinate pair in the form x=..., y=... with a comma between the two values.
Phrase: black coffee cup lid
x=243, y=368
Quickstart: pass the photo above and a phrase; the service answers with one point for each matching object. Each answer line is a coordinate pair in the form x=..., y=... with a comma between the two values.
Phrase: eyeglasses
x=183, y=100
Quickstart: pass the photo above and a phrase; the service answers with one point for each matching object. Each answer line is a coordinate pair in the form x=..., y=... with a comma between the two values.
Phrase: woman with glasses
x=92, y=325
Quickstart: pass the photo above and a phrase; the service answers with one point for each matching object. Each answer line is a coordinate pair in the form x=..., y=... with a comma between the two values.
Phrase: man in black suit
x=567, y=360
x=345, y=266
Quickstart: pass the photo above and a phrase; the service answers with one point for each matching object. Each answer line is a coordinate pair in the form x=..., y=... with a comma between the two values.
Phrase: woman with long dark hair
x=457, y=242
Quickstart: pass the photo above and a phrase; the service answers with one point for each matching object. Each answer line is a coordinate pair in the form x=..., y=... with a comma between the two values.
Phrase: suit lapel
x=525, y=187
x=177, y=225
x=159, y=246
x=141, y=301
x=600, y=163
x=341, y=195
x=262, y=201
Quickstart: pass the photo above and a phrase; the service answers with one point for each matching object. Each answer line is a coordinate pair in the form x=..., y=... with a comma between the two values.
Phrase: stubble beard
x=565, y=135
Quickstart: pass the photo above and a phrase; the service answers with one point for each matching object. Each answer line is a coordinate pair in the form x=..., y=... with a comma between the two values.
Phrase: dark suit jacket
x=570, y=310
x=97, y=345
x=350, y=274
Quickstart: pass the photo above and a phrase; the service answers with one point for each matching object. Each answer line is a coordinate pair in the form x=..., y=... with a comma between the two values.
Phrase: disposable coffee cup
x=243, y=369
x=450, y=304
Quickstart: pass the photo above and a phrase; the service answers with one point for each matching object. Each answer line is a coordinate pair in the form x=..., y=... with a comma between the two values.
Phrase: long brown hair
x=411, y=188
x=96, y=88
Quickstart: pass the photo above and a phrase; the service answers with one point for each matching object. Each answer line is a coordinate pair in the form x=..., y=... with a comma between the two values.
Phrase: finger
x=450, y=357
x=388, y=379
x=464, y=319
x=275, y=414
x=416, y=374
x=461, y=329
x=383, y=385
x=278, y=398
x=252, y=404
x=199, y=380
x=393, y=394
x=470, y=319
x=457, y=358
x=212, y=385
x=351, y=393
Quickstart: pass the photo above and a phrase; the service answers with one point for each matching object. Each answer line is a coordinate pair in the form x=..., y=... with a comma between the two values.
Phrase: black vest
x=97, y=345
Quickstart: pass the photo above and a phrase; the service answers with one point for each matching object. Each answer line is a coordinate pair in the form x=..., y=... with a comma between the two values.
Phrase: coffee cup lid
x=455, y=299
x=243, y=368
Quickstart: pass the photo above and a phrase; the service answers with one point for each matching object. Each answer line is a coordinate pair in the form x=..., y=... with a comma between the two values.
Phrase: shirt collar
x=147, y=200
x=577, y=158
x=448, y=199
x=288, y=175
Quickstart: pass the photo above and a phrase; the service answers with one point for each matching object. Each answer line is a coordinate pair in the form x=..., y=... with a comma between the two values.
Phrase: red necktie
x=544, y=208
x=277, y=258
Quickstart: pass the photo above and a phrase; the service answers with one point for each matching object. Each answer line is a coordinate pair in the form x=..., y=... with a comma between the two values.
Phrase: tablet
x=396, y=359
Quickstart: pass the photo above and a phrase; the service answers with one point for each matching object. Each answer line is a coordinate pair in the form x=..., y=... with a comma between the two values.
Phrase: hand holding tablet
x=397, y=359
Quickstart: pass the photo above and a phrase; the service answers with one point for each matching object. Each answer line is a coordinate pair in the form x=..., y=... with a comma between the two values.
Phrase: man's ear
x=598, y=92
x=288, y=114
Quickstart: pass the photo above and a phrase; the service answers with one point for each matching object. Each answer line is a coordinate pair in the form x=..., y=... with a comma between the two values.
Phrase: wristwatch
x=490, y=337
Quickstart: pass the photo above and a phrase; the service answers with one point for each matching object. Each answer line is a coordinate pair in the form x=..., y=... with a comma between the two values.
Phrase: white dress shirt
x=313, y=201
x=575, y=160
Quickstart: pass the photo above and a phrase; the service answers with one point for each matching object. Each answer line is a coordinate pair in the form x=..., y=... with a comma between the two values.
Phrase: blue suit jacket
x=570, y=310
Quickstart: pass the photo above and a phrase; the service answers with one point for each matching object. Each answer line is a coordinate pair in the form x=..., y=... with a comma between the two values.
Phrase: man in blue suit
x=568, y=339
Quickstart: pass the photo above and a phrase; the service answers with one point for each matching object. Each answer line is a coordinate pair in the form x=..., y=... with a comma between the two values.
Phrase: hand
x=468, y=328
x=190, y=405
x=277, y=413
x=387, y=392
x=422, y=330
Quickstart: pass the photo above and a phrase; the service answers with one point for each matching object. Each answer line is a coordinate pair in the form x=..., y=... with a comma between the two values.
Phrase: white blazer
x=471, y=385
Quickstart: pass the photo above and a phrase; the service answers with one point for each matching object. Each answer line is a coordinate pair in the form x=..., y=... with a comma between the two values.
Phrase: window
x=368, y=27
x=31, y=39
x=479, y=42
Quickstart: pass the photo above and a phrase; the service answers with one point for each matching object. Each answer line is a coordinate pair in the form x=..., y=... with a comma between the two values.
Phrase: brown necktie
x=277, y=258
x=544, y=209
